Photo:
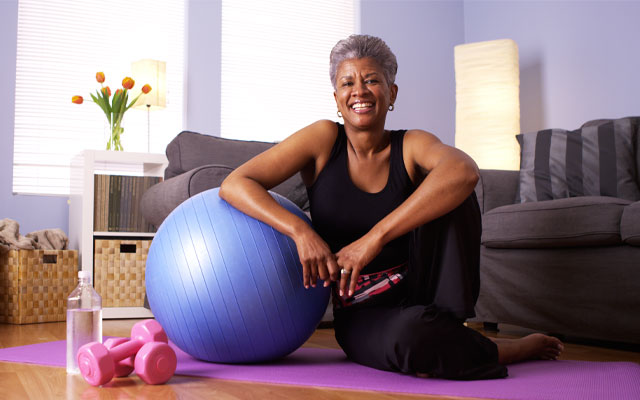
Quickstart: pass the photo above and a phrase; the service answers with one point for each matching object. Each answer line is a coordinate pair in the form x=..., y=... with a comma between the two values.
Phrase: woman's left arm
x=451, y=177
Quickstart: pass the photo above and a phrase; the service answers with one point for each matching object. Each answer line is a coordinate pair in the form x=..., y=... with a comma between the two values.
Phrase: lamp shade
x=487, y=102
x=154, y=73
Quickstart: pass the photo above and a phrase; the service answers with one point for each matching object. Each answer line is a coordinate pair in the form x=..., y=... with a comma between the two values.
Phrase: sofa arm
x=160, y=199
x=496, y=188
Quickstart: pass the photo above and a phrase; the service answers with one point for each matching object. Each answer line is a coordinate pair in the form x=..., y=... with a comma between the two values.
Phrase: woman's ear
x=394, y=93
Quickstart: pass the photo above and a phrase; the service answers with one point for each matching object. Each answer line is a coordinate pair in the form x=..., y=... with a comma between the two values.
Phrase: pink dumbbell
x=98, y=363
x=123, y=367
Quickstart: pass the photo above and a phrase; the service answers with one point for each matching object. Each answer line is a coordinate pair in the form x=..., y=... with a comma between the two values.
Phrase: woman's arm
x=246, y=189
x=451, y=176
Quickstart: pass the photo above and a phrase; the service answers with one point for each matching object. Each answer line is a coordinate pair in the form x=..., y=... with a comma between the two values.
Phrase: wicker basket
x=119, y=271
x=34, y=285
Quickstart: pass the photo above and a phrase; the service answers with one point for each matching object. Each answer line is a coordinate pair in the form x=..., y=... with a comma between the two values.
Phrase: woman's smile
x=361, y=107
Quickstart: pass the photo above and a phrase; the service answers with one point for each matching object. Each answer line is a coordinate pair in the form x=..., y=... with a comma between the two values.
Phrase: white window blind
x=275, y=64
x=61, y=46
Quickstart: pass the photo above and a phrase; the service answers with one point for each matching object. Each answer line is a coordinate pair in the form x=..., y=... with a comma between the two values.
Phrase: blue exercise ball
x=228, y=288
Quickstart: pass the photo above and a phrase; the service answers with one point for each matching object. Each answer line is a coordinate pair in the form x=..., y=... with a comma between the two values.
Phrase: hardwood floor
x=27, y=381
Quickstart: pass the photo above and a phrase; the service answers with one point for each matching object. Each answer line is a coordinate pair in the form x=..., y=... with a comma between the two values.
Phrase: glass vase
x=116, y=131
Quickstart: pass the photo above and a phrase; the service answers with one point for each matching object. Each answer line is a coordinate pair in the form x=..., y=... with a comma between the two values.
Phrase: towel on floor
x=46, y=239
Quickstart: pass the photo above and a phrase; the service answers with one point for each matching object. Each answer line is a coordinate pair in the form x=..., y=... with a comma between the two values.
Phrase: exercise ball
x=228, y=288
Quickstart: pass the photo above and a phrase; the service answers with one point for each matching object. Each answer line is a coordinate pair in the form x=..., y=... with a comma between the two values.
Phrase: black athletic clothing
x=342, y=213
x=417, y=325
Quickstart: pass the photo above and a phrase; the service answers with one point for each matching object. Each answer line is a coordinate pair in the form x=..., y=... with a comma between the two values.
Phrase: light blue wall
x=422, y=35
x=579, y=60
x=203, y=66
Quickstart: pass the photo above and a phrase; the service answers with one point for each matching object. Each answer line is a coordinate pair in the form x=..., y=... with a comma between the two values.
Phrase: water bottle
x=84, y=319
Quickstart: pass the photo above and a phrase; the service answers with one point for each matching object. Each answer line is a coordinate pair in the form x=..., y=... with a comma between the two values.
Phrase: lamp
x=154, y=73
x=487, y=102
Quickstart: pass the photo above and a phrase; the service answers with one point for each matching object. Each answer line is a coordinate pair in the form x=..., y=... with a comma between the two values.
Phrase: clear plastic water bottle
x=84, y=319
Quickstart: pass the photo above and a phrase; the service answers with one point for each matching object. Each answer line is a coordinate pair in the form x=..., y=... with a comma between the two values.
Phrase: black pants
x=418, y=326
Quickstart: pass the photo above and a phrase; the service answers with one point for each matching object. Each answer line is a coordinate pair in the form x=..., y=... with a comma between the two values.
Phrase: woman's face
x=362, y=93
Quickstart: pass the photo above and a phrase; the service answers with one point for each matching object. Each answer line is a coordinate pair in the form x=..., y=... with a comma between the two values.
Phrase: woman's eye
x=371, y=81
x=347, y=84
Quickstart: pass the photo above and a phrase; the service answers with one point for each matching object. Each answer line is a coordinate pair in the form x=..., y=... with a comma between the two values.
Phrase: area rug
x=329, y=368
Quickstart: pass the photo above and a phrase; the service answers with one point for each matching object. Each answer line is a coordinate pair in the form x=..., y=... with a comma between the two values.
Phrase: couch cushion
x=635, y=121
x=159, y=200
x=596, y=160
x=190, y=150
x=572, y=222
x=162, y=198
x=630, y=224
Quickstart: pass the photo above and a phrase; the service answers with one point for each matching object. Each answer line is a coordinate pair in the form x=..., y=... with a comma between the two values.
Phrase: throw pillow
x=592, y=161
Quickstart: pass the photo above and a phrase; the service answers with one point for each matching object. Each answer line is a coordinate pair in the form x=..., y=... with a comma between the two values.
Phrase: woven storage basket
x=119, y=271
x=34, y=285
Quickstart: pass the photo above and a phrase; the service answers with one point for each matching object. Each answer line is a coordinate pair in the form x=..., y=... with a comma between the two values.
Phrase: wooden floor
x=27, y=381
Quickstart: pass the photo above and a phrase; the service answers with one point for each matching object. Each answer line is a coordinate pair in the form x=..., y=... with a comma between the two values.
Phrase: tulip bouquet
x=113, y=107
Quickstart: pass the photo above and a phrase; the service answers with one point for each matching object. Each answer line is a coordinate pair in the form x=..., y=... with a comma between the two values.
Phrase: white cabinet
x=81, y=202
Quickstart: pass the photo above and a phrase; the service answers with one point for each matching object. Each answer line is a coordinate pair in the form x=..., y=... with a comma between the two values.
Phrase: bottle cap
x=84, y=274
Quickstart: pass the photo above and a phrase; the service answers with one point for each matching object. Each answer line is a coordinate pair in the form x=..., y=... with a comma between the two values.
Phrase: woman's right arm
x=246, y=187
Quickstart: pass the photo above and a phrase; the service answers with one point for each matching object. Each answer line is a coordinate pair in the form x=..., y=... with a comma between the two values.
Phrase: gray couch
x=199, y=162
x=569, y=266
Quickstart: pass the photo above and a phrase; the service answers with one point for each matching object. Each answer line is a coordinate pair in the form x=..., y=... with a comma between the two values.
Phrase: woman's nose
x=359, y=88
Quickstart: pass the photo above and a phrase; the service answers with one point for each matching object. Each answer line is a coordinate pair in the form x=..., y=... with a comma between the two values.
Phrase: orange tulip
x=106, y=90
x=100, y=77
x=118, y=91
x=146, y=88
x=128, y=83
x=77, y=99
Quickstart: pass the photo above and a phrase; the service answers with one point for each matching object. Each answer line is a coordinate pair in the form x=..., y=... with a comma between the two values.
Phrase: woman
x=397, y=228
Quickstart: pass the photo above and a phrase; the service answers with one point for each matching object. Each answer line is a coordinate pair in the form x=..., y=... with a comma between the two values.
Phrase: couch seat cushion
x=571, y=222
x=630, y=224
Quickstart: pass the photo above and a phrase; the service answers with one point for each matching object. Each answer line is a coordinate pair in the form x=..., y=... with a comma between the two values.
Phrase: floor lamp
x=154, y=73
x=488, y=103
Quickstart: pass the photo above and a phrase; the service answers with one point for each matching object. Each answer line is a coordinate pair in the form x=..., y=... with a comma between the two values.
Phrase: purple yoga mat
x=326, y=367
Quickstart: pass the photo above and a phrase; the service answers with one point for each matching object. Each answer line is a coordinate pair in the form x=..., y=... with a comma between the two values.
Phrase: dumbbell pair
x=147, y=352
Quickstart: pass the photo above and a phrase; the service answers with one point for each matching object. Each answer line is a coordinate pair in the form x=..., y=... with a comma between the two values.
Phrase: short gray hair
x=362, y=46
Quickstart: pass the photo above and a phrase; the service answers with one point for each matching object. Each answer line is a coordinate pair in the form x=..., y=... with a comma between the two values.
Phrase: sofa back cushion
x=190, y=150
x=635, y=121
x=595, y=160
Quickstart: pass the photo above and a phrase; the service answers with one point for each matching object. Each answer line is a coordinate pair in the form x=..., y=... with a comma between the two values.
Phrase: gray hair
x=362, y=46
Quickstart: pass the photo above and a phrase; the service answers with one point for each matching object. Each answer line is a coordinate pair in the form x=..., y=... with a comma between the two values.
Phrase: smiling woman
x=396, y=228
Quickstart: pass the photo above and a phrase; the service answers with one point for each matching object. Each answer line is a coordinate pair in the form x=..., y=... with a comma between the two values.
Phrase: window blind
x=275, y=64
x=61, y=45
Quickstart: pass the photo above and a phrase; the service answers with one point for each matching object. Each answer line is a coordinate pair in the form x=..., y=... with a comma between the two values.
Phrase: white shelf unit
x=81, y=201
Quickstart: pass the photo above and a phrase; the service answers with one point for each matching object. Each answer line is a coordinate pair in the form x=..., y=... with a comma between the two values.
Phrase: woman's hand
x=353, y=258
x=316, y=258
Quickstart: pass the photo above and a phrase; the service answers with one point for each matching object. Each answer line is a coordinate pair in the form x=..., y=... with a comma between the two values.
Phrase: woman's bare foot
x=532, y=347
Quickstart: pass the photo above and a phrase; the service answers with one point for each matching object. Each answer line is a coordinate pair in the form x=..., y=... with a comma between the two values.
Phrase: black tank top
x=342, y=213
